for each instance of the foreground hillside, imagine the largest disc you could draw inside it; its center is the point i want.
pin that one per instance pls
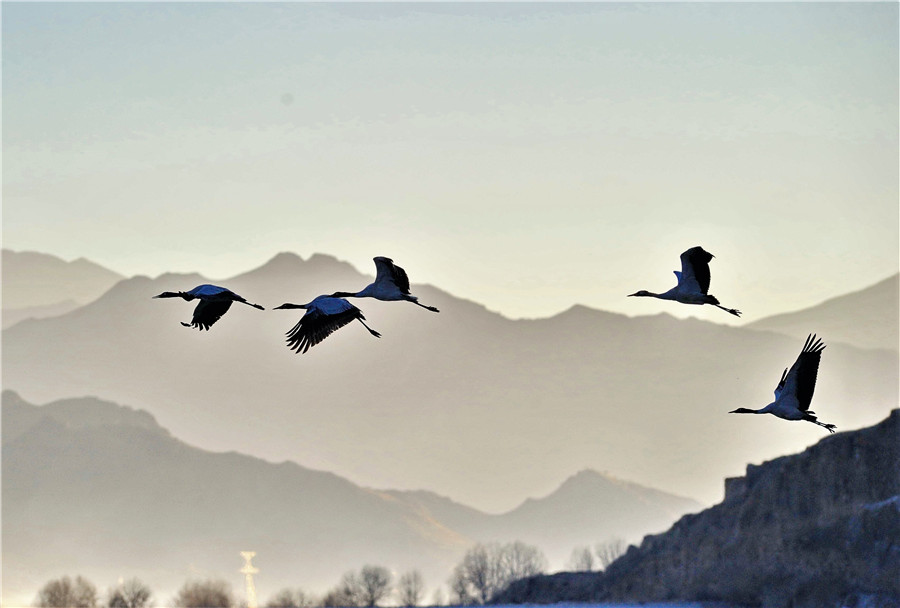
(817, 529)
(94, 488)
(442, 396)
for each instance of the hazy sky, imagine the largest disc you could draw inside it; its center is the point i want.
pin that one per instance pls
(527, 157)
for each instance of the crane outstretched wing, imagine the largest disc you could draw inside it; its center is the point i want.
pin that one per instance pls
(801, 379)
(780, 386)
(386, 270)
(316, 325)
(695, 269)
(207, 312)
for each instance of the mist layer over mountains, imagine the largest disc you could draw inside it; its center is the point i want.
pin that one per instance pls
(102, 489)
(450, 402)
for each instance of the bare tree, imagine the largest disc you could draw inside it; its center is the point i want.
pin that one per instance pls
(581, 560)
(204, 594)
(487, 569)
(333, 599)
(459, 587)
(129, 594)
(410, 587)
(348, 593)
(291, 598)
(518, 560)
(607, 552)
(376, 584)
(481, 569)
(66, 593)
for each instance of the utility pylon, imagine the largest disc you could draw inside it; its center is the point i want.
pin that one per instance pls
(248, 571)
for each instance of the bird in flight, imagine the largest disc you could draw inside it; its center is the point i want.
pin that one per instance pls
(794, 393)
(324, 315)
(214, 302)
(693, 282)
(391, 284)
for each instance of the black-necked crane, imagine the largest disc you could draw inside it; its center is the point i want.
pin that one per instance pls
(214, 302)
(391, 285)
(324, 315)
(693, 282)
(794, 393)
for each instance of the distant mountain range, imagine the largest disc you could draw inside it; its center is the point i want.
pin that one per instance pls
(33, 284)
(101, 490)
(863, 318)
(465, 403)
(820, 528)
(40, 285)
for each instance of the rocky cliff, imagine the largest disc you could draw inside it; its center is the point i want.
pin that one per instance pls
(820, 528)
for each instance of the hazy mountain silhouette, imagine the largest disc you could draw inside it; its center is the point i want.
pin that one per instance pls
(622, 508)
(867, 318)
(40, 285)
(11, 316)
(19, 416)
(559, 521)
(102, 490)
(451, 402)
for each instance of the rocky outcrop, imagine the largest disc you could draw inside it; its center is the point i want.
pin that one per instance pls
(820, 528)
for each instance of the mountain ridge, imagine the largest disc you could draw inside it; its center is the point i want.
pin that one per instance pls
(42, 285)
(850, 318)
(91, 411)
(287, 261)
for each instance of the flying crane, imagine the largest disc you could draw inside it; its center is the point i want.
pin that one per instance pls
(693, 282)
(794, 393)
(391, 284)
(324, 315)
(214, 302)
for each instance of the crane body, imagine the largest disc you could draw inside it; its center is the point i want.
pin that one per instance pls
(324, 315)
(693, 282)
(794, 392)
(391, 285)
(214, 302)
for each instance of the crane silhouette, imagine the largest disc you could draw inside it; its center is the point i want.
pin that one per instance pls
(324, 315)
(391, 284)
(794, 393)
(214, 302)
(693, 282)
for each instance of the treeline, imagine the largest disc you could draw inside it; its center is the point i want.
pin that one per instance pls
(371, 586)
(484, 570)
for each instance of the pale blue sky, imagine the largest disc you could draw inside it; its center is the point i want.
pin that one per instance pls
(527, 157)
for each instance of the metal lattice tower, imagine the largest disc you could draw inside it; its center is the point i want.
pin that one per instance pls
(248, 571)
